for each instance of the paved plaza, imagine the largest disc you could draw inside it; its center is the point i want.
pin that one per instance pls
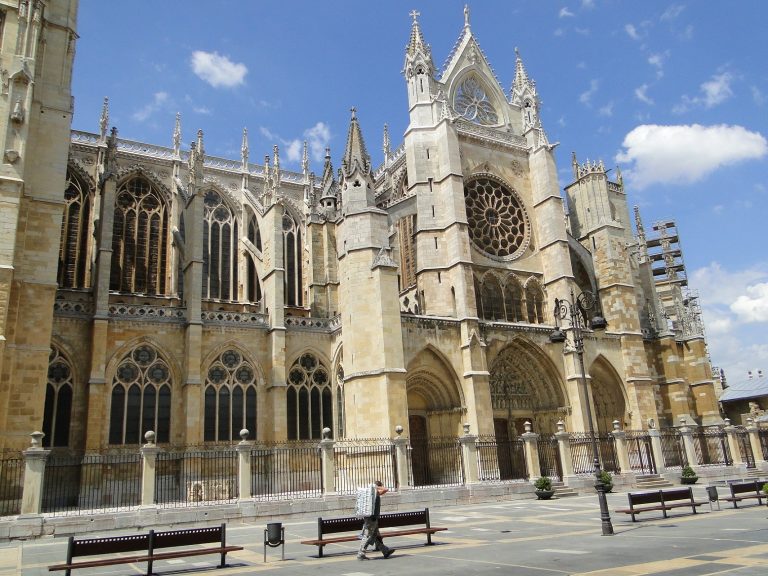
(521, 537)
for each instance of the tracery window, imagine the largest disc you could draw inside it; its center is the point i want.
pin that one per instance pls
(471, 101)
(534, 301)
(141, 397)
(406, 227)
(293, 258)
(498, 222)
(230, 397)
(513, 301)
(74, 259)
(310, 407)
(340, 420)
(252, 277)
(493, 303)
(139, 239)
(220, 238)
(507, 301)
(57, 416)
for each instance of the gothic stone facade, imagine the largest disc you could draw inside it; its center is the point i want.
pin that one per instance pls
(150, 288)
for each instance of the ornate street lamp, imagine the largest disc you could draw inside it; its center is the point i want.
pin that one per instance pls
(576, 310)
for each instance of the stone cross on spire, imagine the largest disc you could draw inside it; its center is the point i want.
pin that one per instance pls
(466, 15)
(414, 14)
(177, 135)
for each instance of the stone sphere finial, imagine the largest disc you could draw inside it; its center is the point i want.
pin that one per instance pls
(326, 433)
(683, 420)
(560, 425)
(651, 423)
(727, 421)
(750, 421)
(466, 428)
(244, 433)
(37, 439)
(149, 436)
(398, 430)
(528, 426)
(616, 425)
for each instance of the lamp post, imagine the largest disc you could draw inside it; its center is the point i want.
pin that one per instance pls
(576, 310)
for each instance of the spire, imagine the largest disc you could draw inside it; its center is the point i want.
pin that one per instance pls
(196, 159)
(641, 241)
(417, 51)
(386, 144)
(328, 185)
(521, 75)
(305, 162)
(575, 166)
(244, 150)
(355, 155)
(177, 135)
(416, 43)
(104, 120)
(523, 93)
(466, 15)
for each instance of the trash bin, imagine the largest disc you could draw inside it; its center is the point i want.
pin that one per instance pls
(713, 496)
(275, 532)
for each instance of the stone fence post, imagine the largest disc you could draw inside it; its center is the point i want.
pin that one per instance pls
(148, 471)
(469, 456)
(564, 447)
(531, 440)
(34, 471)
(328, 462)
(686, 435)
(737, 460)
(401, 459)
(657, 450)
(622, 453)
(757, 448)
(244, 466)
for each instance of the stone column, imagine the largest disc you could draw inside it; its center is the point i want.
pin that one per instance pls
(737, 460)
(401, 457)
(469, 456)
(34, 471)
(564, 447)
(686, 435)
(658, 452)
(149, 458)
(328, 460)
(531, 440)
(625, 467)
(244, 466)
(757, 449)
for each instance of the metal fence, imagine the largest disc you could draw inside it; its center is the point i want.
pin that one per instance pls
(286, 471)
(500, 460)
(549, 458)
(436, 462)
(640, 452)
(583, 453)
(78, 483)
(711, 446)
(762, 434)
(196, 476)
(11, 482)
(745, 446)
(361, 461)
(672, 448)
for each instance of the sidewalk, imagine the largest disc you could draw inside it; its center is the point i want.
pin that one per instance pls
(521, 537)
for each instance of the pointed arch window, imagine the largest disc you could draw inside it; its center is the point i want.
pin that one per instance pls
(340, 424)
(472, 102)
(74, 258)
(230, 398)
(534, 301)
(310, 407)
(139, 239)
(493, 302)
(57, 416)
(406, 227)
(141, 397)
(220, 249)
(513, 301)
(293, 258)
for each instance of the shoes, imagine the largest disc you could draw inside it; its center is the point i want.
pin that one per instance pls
(362, 557)
(389, 553)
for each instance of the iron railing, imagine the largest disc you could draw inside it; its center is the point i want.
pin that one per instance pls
(436, 462)
(359, 462)
(745, 446)
(672, 448)
(549, 458)
(501, 459)
(583, 453)
(640, 452)
(11, 483)
(711, 446)
(78, 483)
(196, 476)
(286, 471)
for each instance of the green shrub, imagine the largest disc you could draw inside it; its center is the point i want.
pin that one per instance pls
(606, 478)
(543, 483)
(688, 472)
(765, 488)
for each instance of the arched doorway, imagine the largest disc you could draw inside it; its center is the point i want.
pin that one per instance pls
(607, 396)
(525, 387)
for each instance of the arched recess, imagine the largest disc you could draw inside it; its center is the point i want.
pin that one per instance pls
(59, 399)
(435, 400)
(608, 395)
(76, 239)
(525, 386)
(309, 399)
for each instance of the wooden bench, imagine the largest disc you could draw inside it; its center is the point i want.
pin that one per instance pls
(355, 524)
(660, 500)
(744, 491)
(145, 546)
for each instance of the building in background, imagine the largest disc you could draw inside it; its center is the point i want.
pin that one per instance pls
(157, 288)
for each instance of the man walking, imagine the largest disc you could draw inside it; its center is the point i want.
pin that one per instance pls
(371, 535)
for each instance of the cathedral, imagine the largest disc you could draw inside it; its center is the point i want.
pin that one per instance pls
(454, 287)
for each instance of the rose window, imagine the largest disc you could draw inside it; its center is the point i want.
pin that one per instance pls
(472, 103)
(498, 224)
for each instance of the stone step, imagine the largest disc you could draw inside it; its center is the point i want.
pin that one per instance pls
(563, 491)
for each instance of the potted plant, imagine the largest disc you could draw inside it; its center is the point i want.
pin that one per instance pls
(543, 486)
(688, 476)
(607, 479)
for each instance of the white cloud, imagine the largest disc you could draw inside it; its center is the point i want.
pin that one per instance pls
(588, 4)
(558, 32)
(686, 153)
(158, 99)
(217, 70)
(317, 138)
(631, 31)
(752, 306)
(606, 110)
(641, 93)
(718, 209)
(714, 91)
(657, 61)
(672, 12)
(582, 31)
(565, 13)
(202, 110)
(757, 96)
(586, 97)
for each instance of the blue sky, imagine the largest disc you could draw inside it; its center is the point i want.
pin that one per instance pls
(673, 92)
